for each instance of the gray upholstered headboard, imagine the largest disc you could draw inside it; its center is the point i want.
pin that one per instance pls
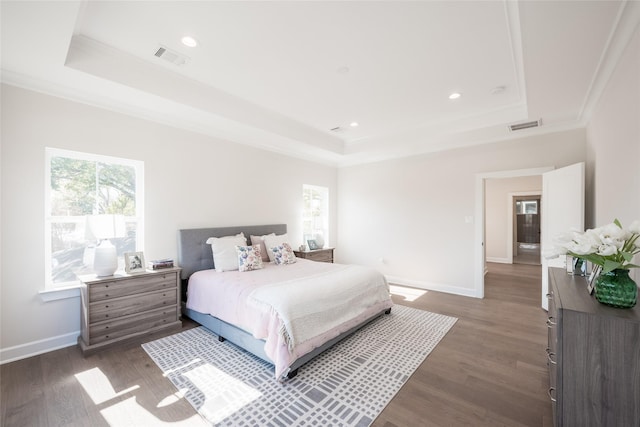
(194, 254)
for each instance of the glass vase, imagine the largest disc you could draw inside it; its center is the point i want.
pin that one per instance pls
(617, 289)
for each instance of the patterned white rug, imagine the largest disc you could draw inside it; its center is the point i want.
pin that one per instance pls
(347, 385)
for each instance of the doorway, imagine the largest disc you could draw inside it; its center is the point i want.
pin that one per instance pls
(526, 232)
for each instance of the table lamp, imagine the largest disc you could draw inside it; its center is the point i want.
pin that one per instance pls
(103, 228)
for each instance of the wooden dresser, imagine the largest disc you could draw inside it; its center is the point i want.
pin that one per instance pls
(593, 357)
(321, 255)
(124, 306)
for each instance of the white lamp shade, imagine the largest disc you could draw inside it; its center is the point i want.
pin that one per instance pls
(105, 261)
(106, 226)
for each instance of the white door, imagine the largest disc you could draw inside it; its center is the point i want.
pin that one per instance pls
(562, 208)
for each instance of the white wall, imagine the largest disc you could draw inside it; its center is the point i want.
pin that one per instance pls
(190, 181)
(411, 212)
(613, 139)
(498, 206)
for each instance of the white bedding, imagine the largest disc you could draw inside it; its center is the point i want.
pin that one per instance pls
(294, 307)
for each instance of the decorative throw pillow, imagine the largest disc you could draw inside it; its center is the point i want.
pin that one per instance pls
(283, 254)
(249, 258)
(225, 257)
(273, 241)
(259, 240)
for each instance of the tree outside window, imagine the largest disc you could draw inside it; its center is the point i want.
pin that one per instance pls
(79, 185)
(315, 213)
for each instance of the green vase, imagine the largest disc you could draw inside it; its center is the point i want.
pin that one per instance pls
(617, 289)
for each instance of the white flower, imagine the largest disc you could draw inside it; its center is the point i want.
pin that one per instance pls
(611, 234)
(606, 250)
(610, 245)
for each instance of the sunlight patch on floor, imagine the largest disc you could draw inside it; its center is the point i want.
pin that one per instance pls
(409, 294)
(129, 412)
(195, 361)
(98, 386)
(223, 394)
(172, 398)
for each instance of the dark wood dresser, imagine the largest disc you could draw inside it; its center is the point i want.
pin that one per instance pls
(321, 255)
(593, 357)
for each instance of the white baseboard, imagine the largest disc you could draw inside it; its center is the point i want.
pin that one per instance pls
(499, 260)
(430, 286)
(34, 348)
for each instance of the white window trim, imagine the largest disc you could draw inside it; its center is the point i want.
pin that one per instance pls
(324, 189)
(65, 289)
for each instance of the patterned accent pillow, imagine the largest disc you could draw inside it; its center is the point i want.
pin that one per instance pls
(283, 254)
(249, 258)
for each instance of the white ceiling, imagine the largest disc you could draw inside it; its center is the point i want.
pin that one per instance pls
(281, 75)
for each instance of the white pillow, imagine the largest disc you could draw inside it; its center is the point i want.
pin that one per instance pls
(273, 241)
(259, 240)
(225, 257)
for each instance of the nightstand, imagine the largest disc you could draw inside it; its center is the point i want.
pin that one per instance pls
(321, 255)
(124, 306)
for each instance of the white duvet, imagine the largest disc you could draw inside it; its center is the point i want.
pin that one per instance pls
(294, 308)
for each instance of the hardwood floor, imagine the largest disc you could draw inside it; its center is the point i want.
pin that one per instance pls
(490, 370)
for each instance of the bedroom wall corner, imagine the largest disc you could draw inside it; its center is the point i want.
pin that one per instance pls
(613, 146)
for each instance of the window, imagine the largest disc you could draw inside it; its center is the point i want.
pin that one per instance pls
(525, 207)
(79, 185)
(315, 213)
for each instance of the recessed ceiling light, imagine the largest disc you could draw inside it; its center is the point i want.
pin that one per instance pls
(455, 95)
(498, 89)
(189, 41)
(353, 124)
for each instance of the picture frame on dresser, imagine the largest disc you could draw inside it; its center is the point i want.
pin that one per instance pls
(134, 262)
(591, 281)
(313, 245)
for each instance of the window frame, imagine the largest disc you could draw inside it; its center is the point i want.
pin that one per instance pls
(49, 219)
(325, 209)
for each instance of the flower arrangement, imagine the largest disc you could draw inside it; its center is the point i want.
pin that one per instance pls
(610, 247)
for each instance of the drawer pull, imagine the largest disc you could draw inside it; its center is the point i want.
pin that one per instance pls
(553, 399)
(549, 295)
(549, 354)
(550, 323)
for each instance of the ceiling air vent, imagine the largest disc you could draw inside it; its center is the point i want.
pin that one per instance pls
(525, 125)
(171, 56)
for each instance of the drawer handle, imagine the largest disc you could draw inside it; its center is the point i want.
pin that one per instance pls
(550, 323)
(106, 327)
(106, 295)
(549, 354)
(549, 295)
(106, 336)
(553, 399)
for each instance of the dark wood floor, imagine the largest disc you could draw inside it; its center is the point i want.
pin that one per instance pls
(490, 370)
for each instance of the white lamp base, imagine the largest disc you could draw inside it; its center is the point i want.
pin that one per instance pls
(105, 261)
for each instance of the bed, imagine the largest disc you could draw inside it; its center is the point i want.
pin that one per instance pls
(283, 314)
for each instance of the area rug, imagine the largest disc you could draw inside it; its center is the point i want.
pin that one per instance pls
(347, 385)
